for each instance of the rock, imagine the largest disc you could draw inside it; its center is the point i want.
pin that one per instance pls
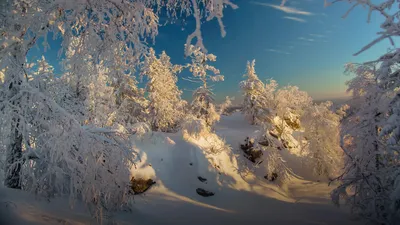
(204, 193)
(274, 135)
(140, 185)
(202, 179)
(264, 143)
(274, 176)
(292, 121)
(250, 153)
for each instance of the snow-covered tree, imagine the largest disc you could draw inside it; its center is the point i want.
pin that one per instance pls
(270, 89)
(132, 106)
(203, 103)
(166, 108)
(90, 82)
(254, 95)
(224, 106)
(370, 136)
(321, 127)
(42, 74)
(371, 166)
(101, 98)
(343, 111)
(290, 99)
(66, 158)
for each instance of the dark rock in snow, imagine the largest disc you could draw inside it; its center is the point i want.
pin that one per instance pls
(274, 135)
(264, 143)
(202, 179)
(140, 185)
(250, 153)
(273, 177)
(204, 193)
(285, 144)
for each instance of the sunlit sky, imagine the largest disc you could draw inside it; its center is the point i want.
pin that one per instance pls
(304, 44)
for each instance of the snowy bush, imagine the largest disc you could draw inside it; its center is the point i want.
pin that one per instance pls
(195, 127)
(275, 167)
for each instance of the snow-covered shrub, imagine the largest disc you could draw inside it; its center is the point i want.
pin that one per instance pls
(195, 127)
(275, 167)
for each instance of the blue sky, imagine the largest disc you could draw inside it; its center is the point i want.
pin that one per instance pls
(303, 44)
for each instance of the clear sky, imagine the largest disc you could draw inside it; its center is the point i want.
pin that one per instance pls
(303, 44)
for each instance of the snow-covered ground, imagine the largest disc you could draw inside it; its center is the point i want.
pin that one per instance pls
(175, 164)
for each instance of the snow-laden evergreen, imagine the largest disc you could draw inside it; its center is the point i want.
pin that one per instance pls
(203, 103)
(166, 108)
(254, 95)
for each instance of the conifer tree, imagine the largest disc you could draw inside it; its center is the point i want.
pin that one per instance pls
(254, 101)
(203, 103)
(166, 108)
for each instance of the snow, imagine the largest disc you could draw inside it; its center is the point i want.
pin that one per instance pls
(175, 161)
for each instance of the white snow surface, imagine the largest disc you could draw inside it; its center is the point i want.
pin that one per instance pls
(175, 163)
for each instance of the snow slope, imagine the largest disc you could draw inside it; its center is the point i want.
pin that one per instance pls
(175, 163)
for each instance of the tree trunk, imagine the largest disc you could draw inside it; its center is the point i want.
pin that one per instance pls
(14, 157)
(13, 79)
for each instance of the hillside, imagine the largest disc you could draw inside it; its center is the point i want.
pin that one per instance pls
(241, 195)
